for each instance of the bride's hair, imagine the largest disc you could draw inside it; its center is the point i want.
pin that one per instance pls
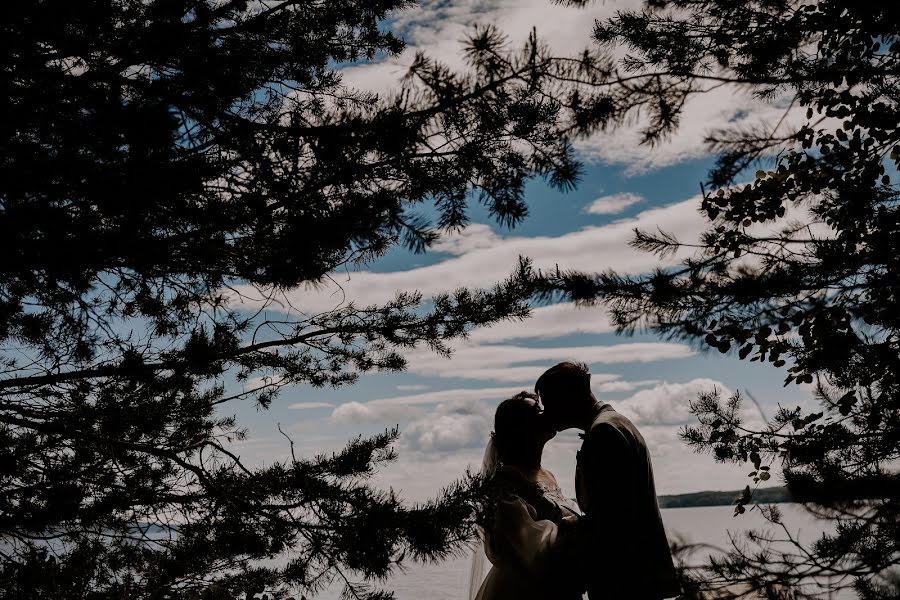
(513, 416)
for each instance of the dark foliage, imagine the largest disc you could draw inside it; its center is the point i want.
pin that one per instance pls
(154, 156)
(798, 267)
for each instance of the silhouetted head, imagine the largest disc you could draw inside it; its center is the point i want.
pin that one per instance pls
(565, 393)
(520, 430)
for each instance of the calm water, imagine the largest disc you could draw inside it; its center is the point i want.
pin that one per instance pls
(707, 524)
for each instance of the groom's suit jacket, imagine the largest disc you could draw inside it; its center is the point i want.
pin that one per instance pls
(625, 547)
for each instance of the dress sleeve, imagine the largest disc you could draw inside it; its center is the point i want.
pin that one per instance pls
(529, 543)
(539, 547)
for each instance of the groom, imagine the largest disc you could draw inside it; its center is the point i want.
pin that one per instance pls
(625, 554)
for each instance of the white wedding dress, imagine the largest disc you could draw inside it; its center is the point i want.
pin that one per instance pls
(525, 543)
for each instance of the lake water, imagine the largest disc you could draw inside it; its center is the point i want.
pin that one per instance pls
(708, 524)
(712, 525)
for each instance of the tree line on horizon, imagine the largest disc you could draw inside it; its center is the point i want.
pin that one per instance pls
(158, 155)
(766, 495)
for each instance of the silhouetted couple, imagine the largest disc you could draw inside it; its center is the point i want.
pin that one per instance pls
(542, 545)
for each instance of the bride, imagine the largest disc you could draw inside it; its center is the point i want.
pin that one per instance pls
(528, 525)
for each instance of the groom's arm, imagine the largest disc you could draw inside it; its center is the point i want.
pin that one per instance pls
(610, 487)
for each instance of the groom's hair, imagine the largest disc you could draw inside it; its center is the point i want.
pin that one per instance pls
(567, 377)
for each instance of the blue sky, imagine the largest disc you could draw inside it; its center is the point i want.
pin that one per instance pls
(444, 407)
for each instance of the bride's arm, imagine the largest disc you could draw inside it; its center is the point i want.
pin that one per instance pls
(530, 541)
(547, 551)
(571, 519)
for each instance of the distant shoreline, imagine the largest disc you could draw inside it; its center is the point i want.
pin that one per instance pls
(770, 495)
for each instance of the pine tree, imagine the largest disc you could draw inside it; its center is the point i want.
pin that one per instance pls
(797, 268)
(156, 154)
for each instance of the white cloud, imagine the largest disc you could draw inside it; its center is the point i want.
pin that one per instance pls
(498, 363)
(555, 320)
(610, 205)
(467, 239)
(308, 405)
(446, 396)
(678, 469)
(525, 375)
(354, 412)
(261, 381)
(453, 426)
(660, 413)
(621, 386)
(563, 28)
(403, 407)
(703, 114)
(439, 29)
(412, 387)
(667, 403)
(417, 476)
(446, 433)
(590, 249)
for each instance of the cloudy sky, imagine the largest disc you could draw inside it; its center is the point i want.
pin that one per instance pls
(444, 407)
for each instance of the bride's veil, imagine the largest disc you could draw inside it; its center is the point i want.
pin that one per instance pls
(479, 561)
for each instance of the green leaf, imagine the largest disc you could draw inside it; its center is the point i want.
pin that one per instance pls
(755, 459)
